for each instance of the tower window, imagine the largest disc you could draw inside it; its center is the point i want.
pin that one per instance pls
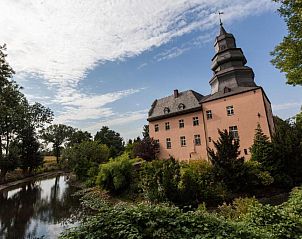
(181, 123)
(168, 143)
(156, 143)
(234, 131)
(209, 114)
(156, 128)
(245, 152)
(230, 110)
(197, 140)
(195, 121)
(183, 141)
(167, 125)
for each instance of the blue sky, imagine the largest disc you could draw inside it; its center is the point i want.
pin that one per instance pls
(98, 63)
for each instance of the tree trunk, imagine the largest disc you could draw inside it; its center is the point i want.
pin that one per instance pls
(2, 175)
(7, 144)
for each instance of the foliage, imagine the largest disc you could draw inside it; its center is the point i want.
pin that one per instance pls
(155, 221)
(237, 209)
(255, 176)
(112, 139)
(85, 158)
(77, 137)
(19, 120)
(57, 134)
(146, 149)
(228, 166)
(287, 150)
(288, 53)
(117, 175)
(244, 218)
(146, 131)
(197, 184)
(159, 180)
(262, 149)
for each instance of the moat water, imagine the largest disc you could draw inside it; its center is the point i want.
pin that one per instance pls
(38, 209)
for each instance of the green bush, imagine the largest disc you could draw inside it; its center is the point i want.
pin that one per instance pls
(156, 221)
(159, 180)
(197, 184)
(237, 209)
(255, 176)
(118, 175)
(185, 184)
(84, 158)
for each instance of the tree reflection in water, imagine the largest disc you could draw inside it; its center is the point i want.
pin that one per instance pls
(37, 208)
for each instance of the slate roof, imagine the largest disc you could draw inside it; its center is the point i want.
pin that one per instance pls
(222, 94)
(190, 99)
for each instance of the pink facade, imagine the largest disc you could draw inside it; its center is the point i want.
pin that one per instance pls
(249, 109)
(186, 123)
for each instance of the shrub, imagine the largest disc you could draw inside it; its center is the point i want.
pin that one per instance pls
(237, 209)
(197, 184)
(82, 158)
(255, 176)
(160, 179)
(117, 175)
(156, 221)
(228, 166)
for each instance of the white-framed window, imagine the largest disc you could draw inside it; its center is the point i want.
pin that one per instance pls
(168, 143)
(156, 127)
(181, 123)
(183, 141)
(167, 125)
(230, 110)
(195, 121)
(209, 114)
(234, 131)
(156, 141)
(197, 140)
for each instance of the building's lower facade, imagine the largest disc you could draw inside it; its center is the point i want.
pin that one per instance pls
(186, 123)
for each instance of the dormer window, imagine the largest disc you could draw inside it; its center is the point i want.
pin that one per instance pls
(226, 90)
(181, 106)
(166, 110)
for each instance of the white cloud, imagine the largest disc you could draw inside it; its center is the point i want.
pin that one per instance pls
(286, 106)
(63, 40)
(60, 41)
(120, 119)
(79, 107)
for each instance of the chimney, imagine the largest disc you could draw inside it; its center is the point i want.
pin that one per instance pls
(176, 94)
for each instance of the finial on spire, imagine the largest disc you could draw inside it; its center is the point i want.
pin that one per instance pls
(220, 13)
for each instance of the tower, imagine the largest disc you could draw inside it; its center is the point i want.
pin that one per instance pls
(228, 65)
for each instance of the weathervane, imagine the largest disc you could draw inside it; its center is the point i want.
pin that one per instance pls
(220, 13)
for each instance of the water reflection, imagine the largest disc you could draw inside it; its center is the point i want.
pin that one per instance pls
(37, 209)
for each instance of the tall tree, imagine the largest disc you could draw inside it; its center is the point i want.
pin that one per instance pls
(287, 148)
(112, 139)
(262, 149)
(146, 149)
(146, 131)
(57, 134)
(78, 136)
(35, 116)
(287, 55)
(228, 166)
(11, 111)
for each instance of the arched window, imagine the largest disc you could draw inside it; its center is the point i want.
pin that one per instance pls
(166, 110)
(181, 106)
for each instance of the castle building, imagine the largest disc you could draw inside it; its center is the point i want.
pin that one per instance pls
(186, 123)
